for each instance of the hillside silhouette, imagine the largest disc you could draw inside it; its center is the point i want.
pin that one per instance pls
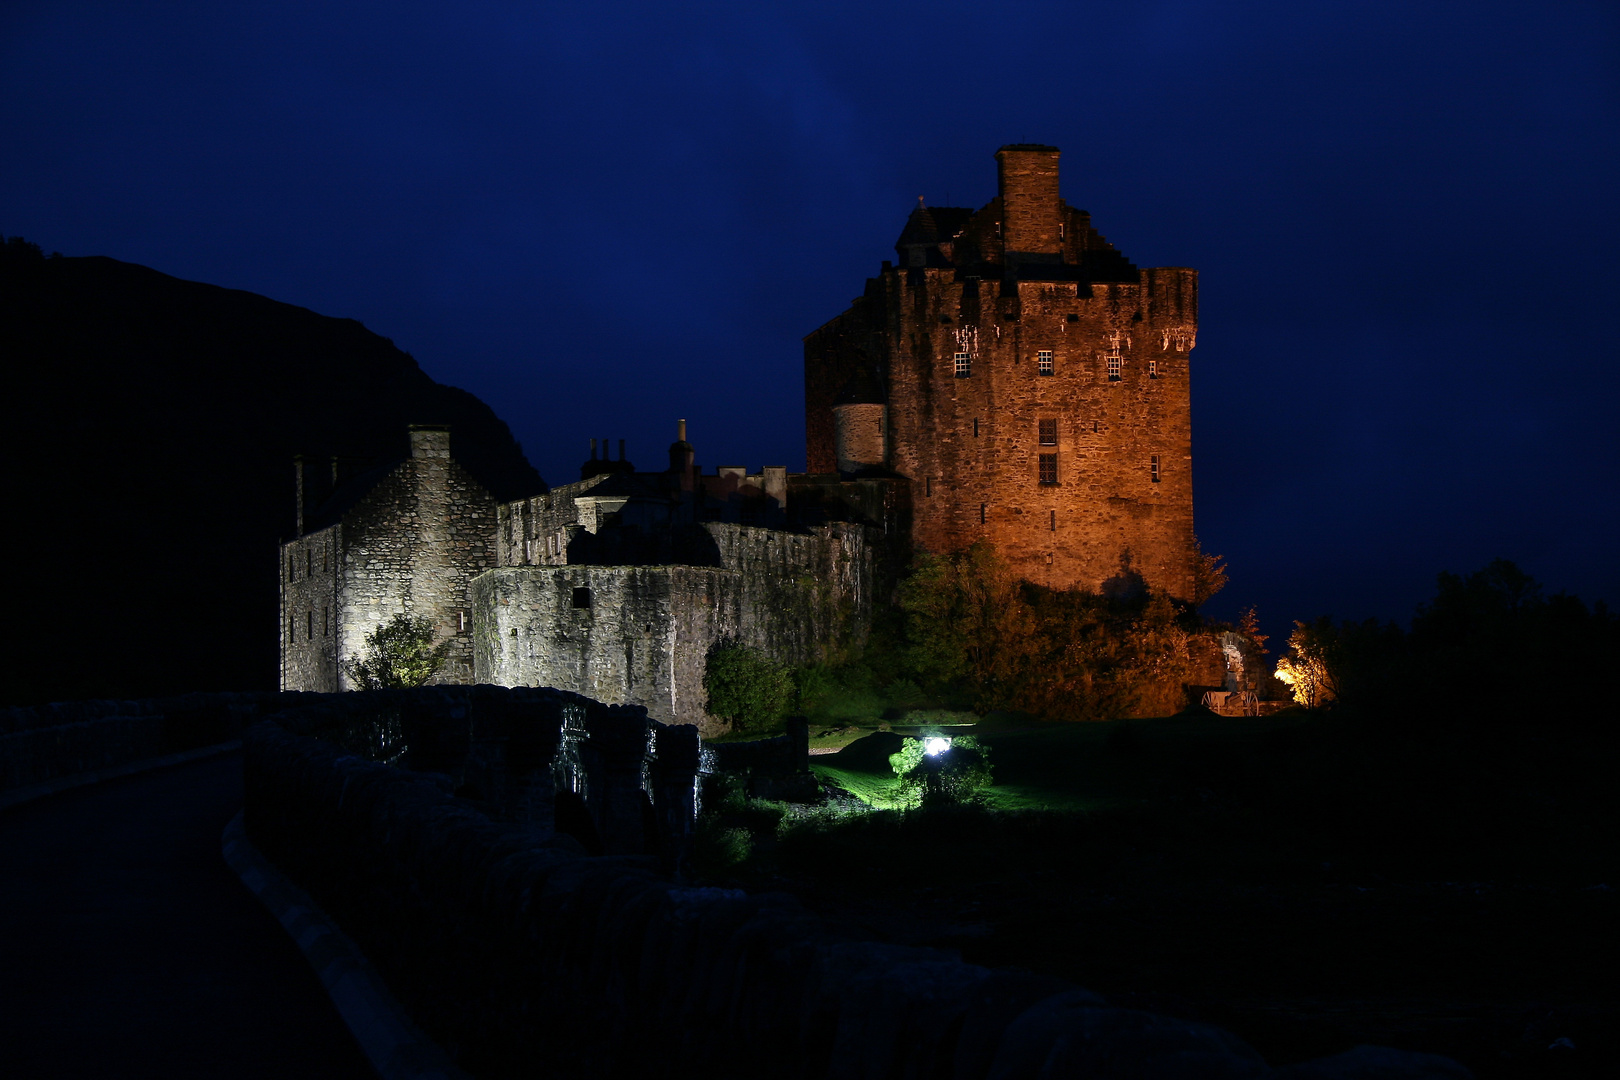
(151, 425)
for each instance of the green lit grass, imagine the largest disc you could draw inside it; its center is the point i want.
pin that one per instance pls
(1046, 766)
(874, 790)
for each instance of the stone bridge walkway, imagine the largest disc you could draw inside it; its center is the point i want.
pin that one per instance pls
(128, 948)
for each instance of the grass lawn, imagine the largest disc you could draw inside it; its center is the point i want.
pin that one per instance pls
(1040, 766)
(1307, 881)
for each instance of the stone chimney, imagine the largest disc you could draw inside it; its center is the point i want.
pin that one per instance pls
(1027, 174)
(298, 482)
(430, 441)
(682, 456)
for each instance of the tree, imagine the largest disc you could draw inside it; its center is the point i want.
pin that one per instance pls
(967, 622)
(1209, 574)
(747, 688)
(399, 654)
(1307, 668)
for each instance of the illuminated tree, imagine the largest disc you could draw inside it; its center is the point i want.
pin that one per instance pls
(399, 655)
(1307, 668)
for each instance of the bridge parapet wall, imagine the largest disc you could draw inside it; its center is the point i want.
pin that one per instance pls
(44, 743)
(531, 957)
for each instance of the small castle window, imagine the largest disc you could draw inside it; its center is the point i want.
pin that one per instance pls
(1048, 432)
(309, 560)
(292, 626)
(582, 597)
(326, 622)
(1153, 369)
(1154, 466)
(964, 365)
(1043, 362)
(1054, 520)
(928, 485)
(1049, 473)
(309, 633)
(1115, 364)
(975, 427)
(983, 507)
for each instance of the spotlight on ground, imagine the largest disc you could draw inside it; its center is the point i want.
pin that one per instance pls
(935, 745)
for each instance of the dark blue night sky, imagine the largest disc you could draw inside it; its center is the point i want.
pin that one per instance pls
(602, 217)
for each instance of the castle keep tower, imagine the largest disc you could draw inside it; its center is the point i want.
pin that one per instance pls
(1030, 383)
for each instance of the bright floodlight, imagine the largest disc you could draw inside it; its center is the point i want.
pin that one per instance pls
(935, 745)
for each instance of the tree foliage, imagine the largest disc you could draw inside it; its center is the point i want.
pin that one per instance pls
(1488, 644)
(974, 631)
(747, 688)
(1311, 666)
(1209, 574)
(399, 655)
(953, 777)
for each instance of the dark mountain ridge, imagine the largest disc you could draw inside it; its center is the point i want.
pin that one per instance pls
(151, 429)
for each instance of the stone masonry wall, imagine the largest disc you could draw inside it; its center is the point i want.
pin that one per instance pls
(42, 743)
(536, 531)
(529, 957)
(413, 545)
(971, 446)
(634, 635)
(1071, 354)
(310, 610)
(641, 634)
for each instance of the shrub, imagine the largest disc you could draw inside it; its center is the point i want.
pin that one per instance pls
(717, 850)
(747, 688)
(950, 778)
(399, 655)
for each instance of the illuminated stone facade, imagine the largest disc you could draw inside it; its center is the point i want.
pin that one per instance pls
(1033, 384)
(615, 586)
(407, 540)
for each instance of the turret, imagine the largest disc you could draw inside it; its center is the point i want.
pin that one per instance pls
(860, 425)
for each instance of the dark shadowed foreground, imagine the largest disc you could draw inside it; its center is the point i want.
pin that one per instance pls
(130, 949)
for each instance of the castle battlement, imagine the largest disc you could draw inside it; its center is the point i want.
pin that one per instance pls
(1030, 382)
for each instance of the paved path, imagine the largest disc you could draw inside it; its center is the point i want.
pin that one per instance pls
(129, 949)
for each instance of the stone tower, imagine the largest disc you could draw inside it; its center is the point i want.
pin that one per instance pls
(1028, 380)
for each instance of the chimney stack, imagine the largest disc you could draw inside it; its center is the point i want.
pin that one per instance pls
(298, 478)
(1027, 174)
(430, 441)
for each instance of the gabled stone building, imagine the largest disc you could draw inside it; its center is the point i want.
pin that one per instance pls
(615, 586)
(407, 538)
(1030, 383)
